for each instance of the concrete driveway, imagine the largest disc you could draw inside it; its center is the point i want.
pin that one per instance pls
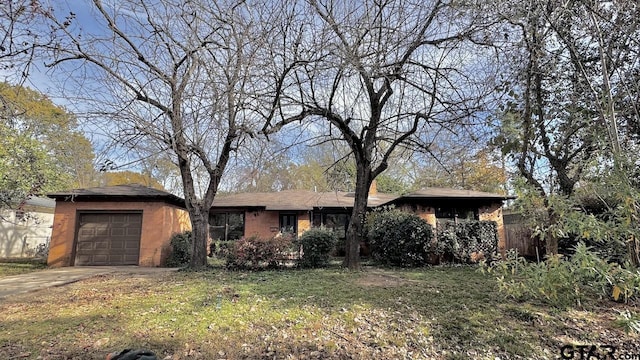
(43, 279)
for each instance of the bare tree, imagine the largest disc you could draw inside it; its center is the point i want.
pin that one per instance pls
(377, 75)
(20, 36)
(175, 74)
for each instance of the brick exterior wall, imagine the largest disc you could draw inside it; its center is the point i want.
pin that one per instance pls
(266, 223)
(494, 213)
(304, 222)
(426, 213)
(159, 222)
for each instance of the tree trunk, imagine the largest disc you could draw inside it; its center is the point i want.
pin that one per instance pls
(200, 236)
(198, 211)
(551, 246)
(355, 233)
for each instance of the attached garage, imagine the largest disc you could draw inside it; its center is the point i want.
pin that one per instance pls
(108, 238)
(115, 225)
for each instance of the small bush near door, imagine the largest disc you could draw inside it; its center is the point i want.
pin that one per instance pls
(399, 238)
(254, 252)
(180, 250)
(317, 245)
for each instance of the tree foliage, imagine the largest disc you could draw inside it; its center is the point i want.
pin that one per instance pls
(21, 36)
(568, 116)
(464, 169)
(41, 147)
(563, 283)
(130, 177)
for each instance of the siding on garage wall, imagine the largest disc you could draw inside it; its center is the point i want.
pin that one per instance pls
(20, 238)
(159, 222)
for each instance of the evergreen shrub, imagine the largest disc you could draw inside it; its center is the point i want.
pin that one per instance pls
(180, 254)
(399, 238)
(317, 245)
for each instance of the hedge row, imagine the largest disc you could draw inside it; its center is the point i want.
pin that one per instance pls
(395, 238)
(402, 239)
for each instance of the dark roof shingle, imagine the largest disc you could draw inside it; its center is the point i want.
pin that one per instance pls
(308, 200)
(441, 193)
(129, 192)
(295, 200)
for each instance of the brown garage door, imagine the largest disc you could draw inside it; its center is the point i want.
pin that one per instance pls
(108, 238)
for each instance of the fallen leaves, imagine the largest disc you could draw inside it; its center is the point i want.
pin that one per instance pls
(327, 314)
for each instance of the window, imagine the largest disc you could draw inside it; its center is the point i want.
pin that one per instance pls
(456, 213)
(226, 226)
(288, 224)
(336, 222)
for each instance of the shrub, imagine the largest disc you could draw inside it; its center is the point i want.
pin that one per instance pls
(180, 254)
(466, 241)
(220, 248)
(254, 252)
(614, 250)
(317, 244)
(562, 282)
(399, 238)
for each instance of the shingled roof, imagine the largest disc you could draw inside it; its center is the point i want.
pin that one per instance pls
(295, 200)
(308, 200)
(282, 200)
(446, 193)
(129, 192)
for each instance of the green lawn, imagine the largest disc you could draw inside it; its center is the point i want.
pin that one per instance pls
(432, 313)
(16, 267)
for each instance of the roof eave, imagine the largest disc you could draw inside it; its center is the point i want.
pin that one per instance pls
(170, 199)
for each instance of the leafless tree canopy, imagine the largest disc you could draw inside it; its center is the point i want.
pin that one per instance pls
(378, 76)
(174, 77)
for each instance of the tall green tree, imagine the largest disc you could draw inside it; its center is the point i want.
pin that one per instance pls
(41, 148)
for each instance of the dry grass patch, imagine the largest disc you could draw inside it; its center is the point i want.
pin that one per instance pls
(10, 267)
(378, 278)
(435, 313)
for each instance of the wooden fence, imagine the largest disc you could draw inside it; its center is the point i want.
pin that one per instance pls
(519, 236)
